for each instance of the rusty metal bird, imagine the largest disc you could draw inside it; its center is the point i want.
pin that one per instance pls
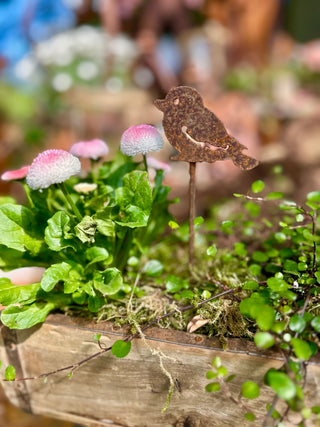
(196, 132)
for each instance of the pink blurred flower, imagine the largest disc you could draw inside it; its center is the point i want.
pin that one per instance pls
(15, 174)
(52, 167)
(157, 164)
(23, 276)
(140, 139)
(90, 149)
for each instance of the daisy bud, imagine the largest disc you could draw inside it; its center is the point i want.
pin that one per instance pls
(85, 187)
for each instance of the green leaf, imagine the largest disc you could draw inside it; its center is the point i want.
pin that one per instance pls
(54, 274)
(109, 281)
(121, 348)
(10, 373)
(249, 416)
(57, 233)
(276, 284)
(86, 229)
(252, 208)
(222, 371)
(250, 390)
(315, 409)
(211, 375)
(281, 384)
(175, 284)
(95, 303)
(212, 387)
(104, 223)
(274, 195)
(173, 225)
(265, 317)
(259, 256)
(297, 323)
(251, 285)
(315, 323)
(153, 268)
(278, 327)
(198, 220)
(17, 229)
(134, 199)
(302, 349)
(212, 250)
(314, 196)
(216, 362)
(257, 186)
(14, 294)
(291, 266)
(240, 249)
(226, 226)
(24, 317)
(97, 337)
(97, 254)
(263, 340)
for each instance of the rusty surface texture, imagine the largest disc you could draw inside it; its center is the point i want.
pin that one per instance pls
(196, 132)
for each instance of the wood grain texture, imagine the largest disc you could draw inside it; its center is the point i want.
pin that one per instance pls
(132, 391)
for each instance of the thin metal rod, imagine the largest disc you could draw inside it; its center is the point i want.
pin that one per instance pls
(192, 209)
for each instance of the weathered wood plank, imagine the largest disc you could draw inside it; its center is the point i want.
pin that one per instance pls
(132, 391)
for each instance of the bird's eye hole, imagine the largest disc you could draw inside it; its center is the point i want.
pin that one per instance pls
(176, 101)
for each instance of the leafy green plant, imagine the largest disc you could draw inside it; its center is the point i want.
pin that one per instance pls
(82, 233)
(282, 299)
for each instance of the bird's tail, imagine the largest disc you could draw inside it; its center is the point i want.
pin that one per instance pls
(244, 162)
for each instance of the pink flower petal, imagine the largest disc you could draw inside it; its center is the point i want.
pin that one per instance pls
(140, 139)
(52, 167)
(157, 164)
(15, 174)
(90, 149)
(24, 276)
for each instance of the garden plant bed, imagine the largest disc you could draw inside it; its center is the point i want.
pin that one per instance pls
(132, 391)
(94, 243)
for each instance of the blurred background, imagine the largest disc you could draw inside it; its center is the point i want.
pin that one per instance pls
(74, 70)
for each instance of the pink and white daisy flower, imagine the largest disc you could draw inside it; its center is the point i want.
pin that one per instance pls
(52, 167)
(140, 139)
(93, 149)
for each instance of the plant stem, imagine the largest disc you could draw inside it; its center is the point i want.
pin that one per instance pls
(70, 201)
(145, 162)
(192, 209)
(93, 170)
(27, 191)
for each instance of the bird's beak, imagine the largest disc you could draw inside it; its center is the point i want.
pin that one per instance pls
(160, 104)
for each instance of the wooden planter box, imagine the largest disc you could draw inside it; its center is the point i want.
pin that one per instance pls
(132, 391)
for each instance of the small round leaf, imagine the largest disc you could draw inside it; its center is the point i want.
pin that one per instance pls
(263, 340)
(257, 186)
(250, 390)
(121, 348)
(10, 373)
(213, 387)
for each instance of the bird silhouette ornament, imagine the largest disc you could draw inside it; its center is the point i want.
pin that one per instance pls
(196, 132)
(198, 136)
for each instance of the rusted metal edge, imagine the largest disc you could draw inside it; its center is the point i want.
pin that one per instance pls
(10, 341)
